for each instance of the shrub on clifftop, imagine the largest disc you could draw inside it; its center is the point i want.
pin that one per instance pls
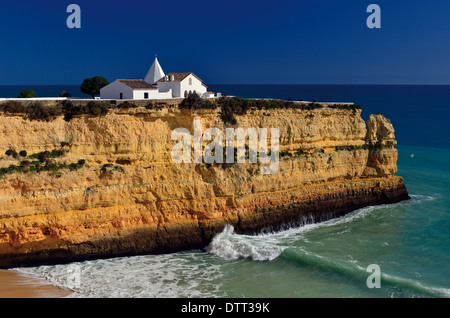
(231, 106)
(97, 109)
(11, 107)
(92, 108)
(40, 112)
(194, 101)
(126, 105)
(36, 111)
(27, 93)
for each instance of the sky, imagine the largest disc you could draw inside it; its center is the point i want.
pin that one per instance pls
(227, 42)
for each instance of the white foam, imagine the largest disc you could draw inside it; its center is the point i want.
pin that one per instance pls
(268, 246)
(152, 276)
(421, 197)
(229, 245)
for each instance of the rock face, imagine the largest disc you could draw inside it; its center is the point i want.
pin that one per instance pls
(130, 198)
(380, 129)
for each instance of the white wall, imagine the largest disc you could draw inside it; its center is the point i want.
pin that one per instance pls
(113, 90)
(164, 95)
(196, 86)
(174, 87)
(152, 94)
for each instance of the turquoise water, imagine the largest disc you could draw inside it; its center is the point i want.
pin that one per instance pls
(409, 241)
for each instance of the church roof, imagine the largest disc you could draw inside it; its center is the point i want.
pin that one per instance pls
(137, 84)
(178, 77)
(154, 73)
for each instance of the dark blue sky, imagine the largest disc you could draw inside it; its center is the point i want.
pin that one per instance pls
(245, 41)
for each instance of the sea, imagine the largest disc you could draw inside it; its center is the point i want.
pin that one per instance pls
(399, 250)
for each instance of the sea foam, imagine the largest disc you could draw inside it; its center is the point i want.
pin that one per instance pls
(229, 245)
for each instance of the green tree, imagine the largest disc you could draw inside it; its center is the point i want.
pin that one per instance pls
(92, 86)
(27, 93)
(65, 94)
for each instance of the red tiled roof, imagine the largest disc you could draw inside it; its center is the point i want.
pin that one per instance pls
(178, 77)
(137, 84)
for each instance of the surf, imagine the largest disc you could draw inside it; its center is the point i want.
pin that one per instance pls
(269, 245)
(358, 273)
(279, 247)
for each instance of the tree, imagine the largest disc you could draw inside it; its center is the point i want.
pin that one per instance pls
(27, 93)
(92, 86)
(65, 94)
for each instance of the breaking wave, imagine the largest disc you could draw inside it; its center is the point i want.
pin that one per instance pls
(268, 246)
(276, 246)
(229, 245)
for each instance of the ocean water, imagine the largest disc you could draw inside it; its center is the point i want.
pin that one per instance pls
(13, 91)
(409, 241)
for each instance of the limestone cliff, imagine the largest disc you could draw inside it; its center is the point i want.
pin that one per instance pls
(127, 197)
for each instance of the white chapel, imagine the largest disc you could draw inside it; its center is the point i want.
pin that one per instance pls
(156, 85)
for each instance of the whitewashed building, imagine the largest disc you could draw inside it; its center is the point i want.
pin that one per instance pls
(156, 85)
(132, 89)
(181, 84)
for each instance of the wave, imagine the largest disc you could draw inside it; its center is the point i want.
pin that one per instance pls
(277, 246)
(357, 272)
(269, 245)
(265, 245)
(421, 197)
(229, 245)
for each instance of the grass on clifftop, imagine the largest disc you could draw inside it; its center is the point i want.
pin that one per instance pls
(231, 106)
(39, 112)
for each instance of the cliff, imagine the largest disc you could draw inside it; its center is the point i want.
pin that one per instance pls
(109, 186)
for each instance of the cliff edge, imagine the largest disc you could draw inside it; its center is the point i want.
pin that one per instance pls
(103, 186)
